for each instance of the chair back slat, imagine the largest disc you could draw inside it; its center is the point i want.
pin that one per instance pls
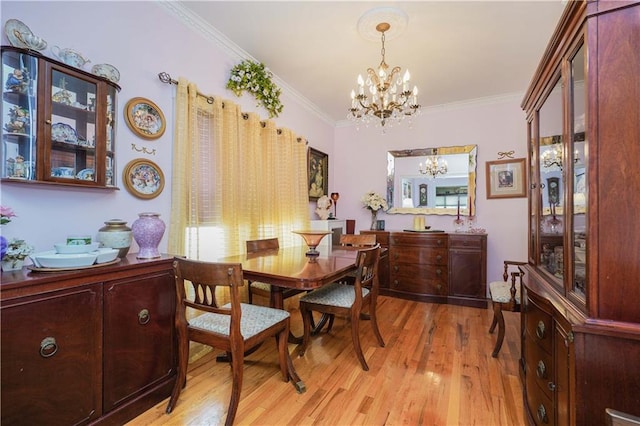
(254, 246)
(367, 271)
(358, 240)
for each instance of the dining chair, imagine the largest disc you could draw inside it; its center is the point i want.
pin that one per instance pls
(618, 418)
(233, 327)
(259, 288)
(347, 300)
(505, 296)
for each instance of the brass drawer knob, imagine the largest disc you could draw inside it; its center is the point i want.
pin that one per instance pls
(541, 370)
(48, 347)
(144, 317)
(542, 414)
(540, 330)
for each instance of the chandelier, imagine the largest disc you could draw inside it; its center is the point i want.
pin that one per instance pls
(384, 97)
(433, 167)
(553, 157)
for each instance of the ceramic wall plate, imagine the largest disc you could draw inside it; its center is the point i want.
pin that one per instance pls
(62, 132)
(144, 118)
(107, 71)
(143, 178)
(63, 172)
(15, 31)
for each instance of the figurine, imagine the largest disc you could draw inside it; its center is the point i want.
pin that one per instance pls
(323, 207)
(18, 120)
(17, 81)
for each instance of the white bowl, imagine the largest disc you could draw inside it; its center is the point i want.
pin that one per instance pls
(51, 259)
(106, 254)
(63, 248)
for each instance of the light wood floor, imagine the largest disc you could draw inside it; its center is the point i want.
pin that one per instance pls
(436, 369)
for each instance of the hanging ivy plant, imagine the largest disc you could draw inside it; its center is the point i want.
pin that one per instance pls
(255, 78)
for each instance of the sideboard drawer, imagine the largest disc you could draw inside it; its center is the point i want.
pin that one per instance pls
(541, 406)
(422, 240)
(411, 255)
(540, 366)
(538, 325)
(465, 241)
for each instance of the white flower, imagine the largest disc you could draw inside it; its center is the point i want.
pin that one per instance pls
(17, 250)
(374, 201)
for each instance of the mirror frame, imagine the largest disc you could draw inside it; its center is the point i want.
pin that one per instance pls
(471, 150)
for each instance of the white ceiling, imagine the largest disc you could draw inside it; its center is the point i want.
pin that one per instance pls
(455, 50)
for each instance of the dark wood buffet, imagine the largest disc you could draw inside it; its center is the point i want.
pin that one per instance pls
(91, 346)
(434, 267)
(581, 292)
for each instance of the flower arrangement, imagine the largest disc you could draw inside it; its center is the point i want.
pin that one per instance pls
(6, 213)
(17, 250)
(255, 78)
(374, 202)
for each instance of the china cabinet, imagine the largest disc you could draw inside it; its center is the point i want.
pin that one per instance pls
(58, 122)
(435, 267)
(92, 346)
(580, 316)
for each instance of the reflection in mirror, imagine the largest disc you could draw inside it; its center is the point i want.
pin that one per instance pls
(579, 131)
(413, 190)
(551, 163)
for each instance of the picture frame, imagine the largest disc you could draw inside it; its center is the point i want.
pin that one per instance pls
(143, 178)
(317, 174)
(145, 118)
(506, 178)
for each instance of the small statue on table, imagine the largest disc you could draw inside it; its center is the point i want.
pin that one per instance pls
(18, 120)
(323, 209)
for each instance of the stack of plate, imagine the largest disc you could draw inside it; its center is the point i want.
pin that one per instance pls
(73, 256)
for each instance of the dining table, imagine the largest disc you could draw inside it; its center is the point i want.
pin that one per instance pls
(288, 267)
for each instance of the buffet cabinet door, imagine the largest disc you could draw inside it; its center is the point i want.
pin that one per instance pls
(51, 362)
(138, 328)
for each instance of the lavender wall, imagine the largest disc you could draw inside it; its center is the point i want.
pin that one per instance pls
(144, 38)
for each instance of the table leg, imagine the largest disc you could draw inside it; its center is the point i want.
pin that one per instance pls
(277, 301)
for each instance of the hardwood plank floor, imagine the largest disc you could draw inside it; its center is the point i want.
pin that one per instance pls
(436, 369)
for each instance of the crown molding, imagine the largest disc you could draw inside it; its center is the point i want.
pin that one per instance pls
(235, 52)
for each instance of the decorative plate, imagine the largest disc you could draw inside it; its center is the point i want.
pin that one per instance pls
(107, 71)
(143, 178)
(34, 268)
(62, 132)
(86, 174)
(144, 118)
(15, 31)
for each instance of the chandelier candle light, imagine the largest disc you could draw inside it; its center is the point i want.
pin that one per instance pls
(389, 98)
(433, 167)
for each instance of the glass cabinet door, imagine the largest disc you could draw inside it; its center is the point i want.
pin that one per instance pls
(19, 115)
(551, 185)
(72, 128)
(578, 188)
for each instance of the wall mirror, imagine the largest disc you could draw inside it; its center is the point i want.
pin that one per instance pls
(412, 189)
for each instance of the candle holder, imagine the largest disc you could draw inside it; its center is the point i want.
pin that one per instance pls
(335, 196)
(312, 239)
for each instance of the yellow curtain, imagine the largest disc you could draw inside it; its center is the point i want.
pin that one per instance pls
(234, 178)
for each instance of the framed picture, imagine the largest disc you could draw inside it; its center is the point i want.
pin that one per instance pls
(318, 173)
(144, 118)
(507, 178)
(143, 178)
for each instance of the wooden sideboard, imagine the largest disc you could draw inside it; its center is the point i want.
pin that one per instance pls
(91, 346)
(434, 267)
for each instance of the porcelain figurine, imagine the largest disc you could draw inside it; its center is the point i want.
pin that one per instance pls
(17, 81)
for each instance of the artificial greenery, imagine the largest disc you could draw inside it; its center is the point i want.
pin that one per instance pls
(255, 78)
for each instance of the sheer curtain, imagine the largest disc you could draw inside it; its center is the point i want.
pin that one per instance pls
(234, 178)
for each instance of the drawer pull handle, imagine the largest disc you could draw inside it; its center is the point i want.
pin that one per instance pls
(438, 258)
(143, 317)
(438, 271)
(540, 330)
(439, 242)
(396, 268)
(551, 386)
(541, 370)
(48, 347)
(542, 414)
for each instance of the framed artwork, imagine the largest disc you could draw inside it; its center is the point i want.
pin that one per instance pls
(507, 178)
(143, 178)
(144, 118)
(318, 173)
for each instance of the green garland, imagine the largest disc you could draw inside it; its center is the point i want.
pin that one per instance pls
(255, 78)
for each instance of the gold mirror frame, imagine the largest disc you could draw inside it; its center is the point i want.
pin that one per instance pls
(470, 150)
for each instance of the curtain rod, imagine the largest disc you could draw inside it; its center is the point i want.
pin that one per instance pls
(166, 78)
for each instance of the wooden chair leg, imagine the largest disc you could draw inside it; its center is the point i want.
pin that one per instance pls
(306, 322)
(237, 361)
(355, 336)
(374, 323)
(497, 312)
(494, 322)
(181, 379)
(250, 293)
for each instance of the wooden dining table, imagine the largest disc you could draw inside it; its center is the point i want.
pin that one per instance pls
(288, 267)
